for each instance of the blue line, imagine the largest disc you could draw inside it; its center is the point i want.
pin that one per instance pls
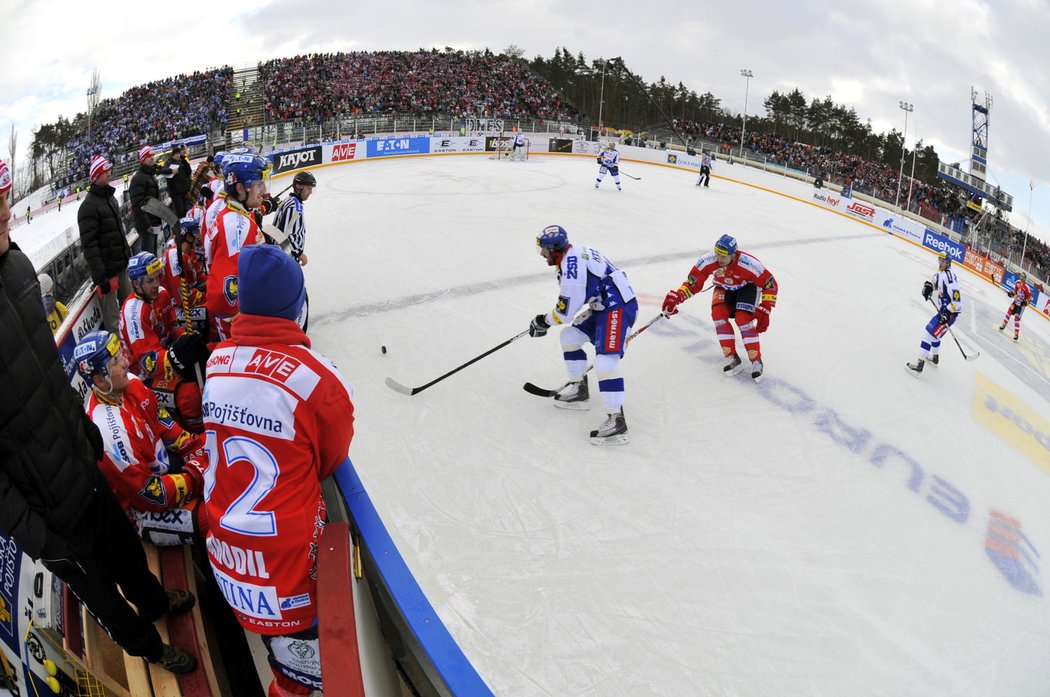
(444, 653)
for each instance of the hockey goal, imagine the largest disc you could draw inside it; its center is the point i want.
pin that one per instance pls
(505, 149)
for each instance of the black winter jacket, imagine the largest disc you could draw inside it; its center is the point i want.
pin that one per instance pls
(102, 234)
(48, 472)
(143, 186)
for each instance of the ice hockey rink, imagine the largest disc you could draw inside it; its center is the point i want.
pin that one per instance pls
(840, 529)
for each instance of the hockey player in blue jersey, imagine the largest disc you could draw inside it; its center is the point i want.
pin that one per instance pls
(587, 279)
(609, 161)
(949, 303)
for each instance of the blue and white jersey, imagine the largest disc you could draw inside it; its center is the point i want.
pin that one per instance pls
(289, 220)
(705, 160)
(949, 294)
(585, 277)
(610, 159)
(519, 139)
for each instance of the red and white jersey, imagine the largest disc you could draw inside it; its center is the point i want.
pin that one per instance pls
(146, 330)
(210, 214)
(234, 228)
(743, 270)
(1022, 293)
(171, 279)
(278, 419)
(137, 435)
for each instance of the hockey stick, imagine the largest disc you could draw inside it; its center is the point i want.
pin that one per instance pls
(637, 179)
(966, 356)
(398, 387)
(540, 392)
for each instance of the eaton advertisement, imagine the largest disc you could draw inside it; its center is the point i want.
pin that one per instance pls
(387, 147)
(940, 243)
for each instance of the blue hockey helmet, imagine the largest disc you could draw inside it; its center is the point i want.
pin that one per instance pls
(244, 169)
(725, 246)
(93, 353)
(553, 238)
(143, 264)
(188, 226)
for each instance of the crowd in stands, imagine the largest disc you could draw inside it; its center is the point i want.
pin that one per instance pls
(423, 83)
(168, 109)
(873, 178)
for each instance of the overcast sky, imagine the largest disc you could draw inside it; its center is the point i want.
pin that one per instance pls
(868, 55)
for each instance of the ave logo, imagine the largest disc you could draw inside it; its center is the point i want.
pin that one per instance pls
(343, 152)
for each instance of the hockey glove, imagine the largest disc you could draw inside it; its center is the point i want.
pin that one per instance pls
(944, 317)
(269, 205)
(187, 351)
(599, 160)
(538, 326)
(672, 301)
(927, 290)
(1010, 294)
(762, 317)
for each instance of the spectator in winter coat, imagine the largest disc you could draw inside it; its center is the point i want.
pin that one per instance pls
(104, 242)
(144, 187)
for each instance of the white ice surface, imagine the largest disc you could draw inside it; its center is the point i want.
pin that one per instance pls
(752, 541)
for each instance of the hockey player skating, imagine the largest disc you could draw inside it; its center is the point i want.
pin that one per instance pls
(137, 436)
(949, 305)
(609, 161)
(1022, 295)
(161, 352)
(281, 419)
(739, 280)
(586, 278)
(705, 170)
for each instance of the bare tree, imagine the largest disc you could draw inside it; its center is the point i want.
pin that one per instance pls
(514, 51)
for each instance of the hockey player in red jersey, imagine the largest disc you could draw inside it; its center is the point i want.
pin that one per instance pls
(137, 437)
(183, 277)
(233, 229)
(739, 280)
(162, 354)
(278, 420)
(1022, 295)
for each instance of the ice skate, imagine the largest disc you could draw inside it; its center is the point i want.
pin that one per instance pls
(1017, 336)
(915, 369)
(756, 370)
(613, 430)
(935, 358)
(1002, 326)
(733, 367)
(574, 396)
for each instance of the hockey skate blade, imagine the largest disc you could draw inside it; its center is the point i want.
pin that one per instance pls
(914, 373)
(398, 387)
(618, 439)
(573, 406)
(734, 371)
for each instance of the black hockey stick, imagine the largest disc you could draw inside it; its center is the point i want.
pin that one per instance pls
(540, 392)
(398, 387)
(967, 356)
(637, 179)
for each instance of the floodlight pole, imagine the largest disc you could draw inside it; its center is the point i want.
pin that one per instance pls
(908, 108)
(747, 75)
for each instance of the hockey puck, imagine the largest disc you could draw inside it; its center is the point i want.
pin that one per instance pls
(383, 349)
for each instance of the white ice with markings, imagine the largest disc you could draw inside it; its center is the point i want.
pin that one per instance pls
(840, 529)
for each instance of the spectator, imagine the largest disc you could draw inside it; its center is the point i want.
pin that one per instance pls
(179, 184)
(104, 242)
(320, 416)
(205, 172)
(144, 187)
(53, 501)
(56, 312)
(29, 217)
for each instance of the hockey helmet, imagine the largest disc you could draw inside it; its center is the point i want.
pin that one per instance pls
(943, 257)
(93, 353)
(142, 265)
(553, 238)
(188, 228)
(245, 169)
(725, 246)
(305, 179)
(1024, 276)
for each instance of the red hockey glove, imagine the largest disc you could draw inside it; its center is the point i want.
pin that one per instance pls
(194, 473)
(762, 317)
(672, 301)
